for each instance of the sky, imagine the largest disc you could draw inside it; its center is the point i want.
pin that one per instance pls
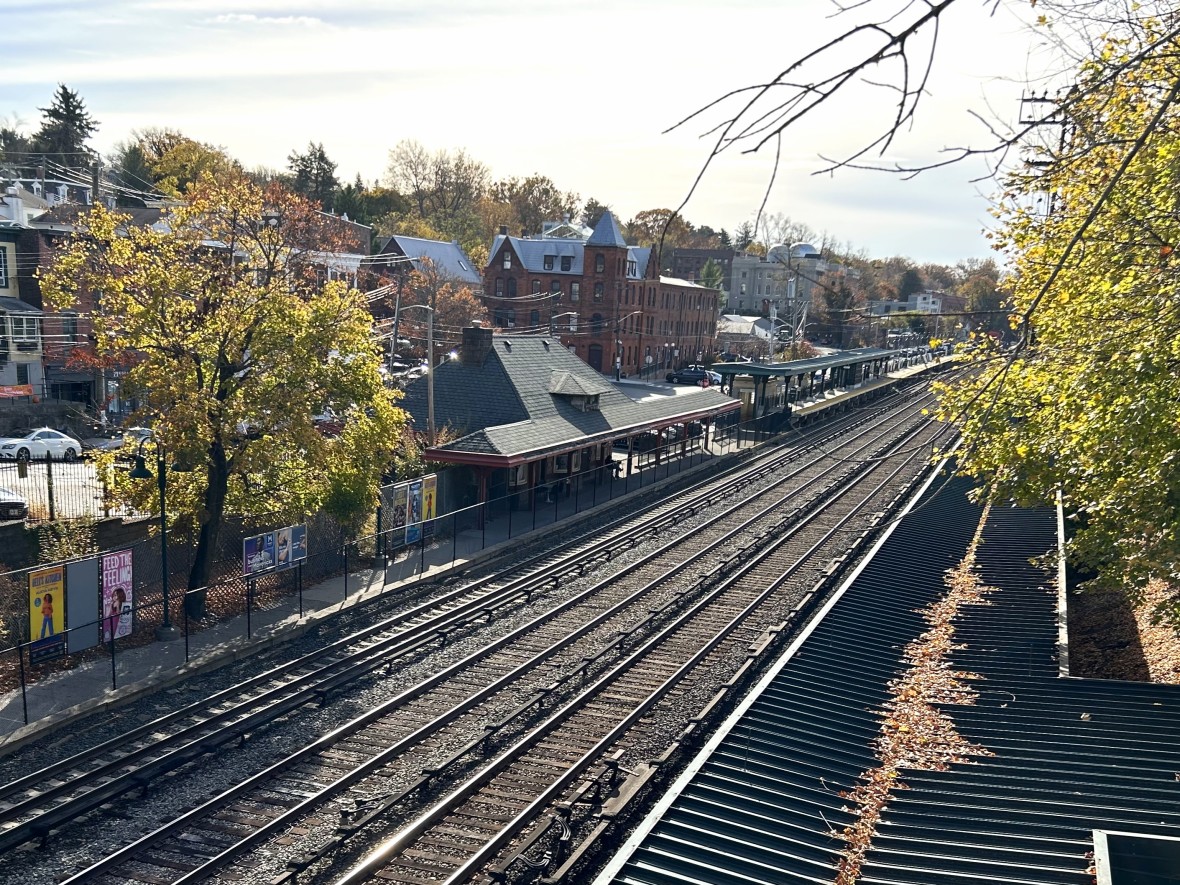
(581, 92)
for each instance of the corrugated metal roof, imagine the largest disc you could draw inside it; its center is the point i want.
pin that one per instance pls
(1070, 755)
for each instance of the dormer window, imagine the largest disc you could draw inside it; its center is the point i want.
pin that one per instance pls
(632, 269)
(566, 262)
(549, 262)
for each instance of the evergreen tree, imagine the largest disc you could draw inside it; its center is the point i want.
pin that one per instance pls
(65, 126)
(314, 175)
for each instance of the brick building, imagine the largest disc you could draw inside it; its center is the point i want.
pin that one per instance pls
(605, 300)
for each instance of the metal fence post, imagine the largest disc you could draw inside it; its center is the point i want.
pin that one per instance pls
(24, 698)
(249, 608)
(454, 536)
(49, 485)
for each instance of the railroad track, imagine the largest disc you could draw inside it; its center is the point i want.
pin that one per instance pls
(327, 769)
(33, 806)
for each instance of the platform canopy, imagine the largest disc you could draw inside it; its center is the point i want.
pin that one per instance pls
(804, 367)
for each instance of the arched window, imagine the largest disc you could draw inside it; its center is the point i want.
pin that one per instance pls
(512, 287)
(499, 287)
(599, 263)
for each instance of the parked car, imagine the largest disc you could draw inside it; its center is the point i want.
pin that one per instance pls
(714, 378)
(688, 375)
(39, 443)
(116, 441)
(12, 505)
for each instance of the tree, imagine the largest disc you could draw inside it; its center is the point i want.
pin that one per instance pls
(714, 278)
(911, 283)
(1084, 402)
(593, 211)
(455, 307)
(175, 161)
(778, 228)
(444, 189)
(534, 200)
(15, 146)
(744, 236)
(65, 127)
(130, 170)
(662, 227)
(235, 345)
(366, 205)
(314, 175)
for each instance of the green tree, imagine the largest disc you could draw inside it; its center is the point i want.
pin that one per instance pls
(65, 127)
(744, 236)
(1085, 403)
(533, 200)
(237, 344)
(593, 211)
(15, 146)
(175, 161)
(713, 277)
(911, 283)
(444, 189)
(314, 175)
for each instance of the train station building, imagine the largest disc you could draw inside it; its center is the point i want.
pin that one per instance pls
(528, 418)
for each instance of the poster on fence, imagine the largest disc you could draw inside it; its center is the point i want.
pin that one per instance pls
(258, 554)
(397, 514)
(117, 601)
(290, 546)
(414, 512)
(47, 615)
(429, 504)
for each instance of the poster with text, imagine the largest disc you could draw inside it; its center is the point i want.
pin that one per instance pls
(414, 511)
(283, 548)
(117, 602)
(47, 614)
(258, 554)
(429, 504)
(298, 543)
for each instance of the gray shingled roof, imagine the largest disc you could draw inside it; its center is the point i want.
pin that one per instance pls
(448, 258)
(506, 407)
(607, 232)
(532, 255)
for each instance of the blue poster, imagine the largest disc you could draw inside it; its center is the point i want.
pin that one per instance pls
(414, 512)
(258, 554)
(290, 546)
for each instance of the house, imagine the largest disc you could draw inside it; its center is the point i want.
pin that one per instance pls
(603, 299)
(397, 253)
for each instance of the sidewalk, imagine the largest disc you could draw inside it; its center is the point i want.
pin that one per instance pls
(57, 699)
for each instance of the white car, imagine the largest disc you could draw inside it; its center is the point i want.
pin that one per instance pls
(39, 443)
(12, 505)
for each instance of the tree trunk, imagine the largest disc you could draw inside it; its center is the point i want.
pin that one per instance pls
(206, 552)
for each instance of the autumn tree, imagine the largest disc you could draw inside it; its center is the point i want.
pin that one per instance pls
(1085, 402)
(533, 200)
(236, 343)
(175, 161)
(444, 189)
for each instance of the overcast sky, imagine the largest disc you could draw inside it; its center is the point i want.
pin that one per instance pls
(579, 92)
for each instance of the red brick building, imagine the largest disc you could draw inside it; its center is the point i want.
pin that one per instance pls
(605, 300)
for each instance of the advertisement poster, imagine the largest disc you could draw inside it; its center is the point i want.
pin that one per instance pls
(47, 616)
(258, 554)
(290, 546)
(414, 512)
(429, 504)
(397, 514)
(117, 603)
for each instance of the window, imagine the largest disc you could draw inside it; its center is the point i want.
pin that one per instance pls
(596, 324)
(69, 327)
(536, 287)
(549, 262)
(23, 328)
(599, 263)
(566, 262)
(632, 269)
(512, 287)
(534, 318)
(22, 373)
(598, 290)
(575, 291)
(507, 260)
(3, 268)
(555, 287)
(499, 287)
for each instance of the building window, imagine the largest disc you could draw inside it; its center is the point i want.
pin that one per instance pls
(3, 268)
(512, 287)
(536, 287)
(24, 329)
(555, 287)
(507, 260)
(575, 291)
(596, 324)
(598, 290)
(69, 327)
(566, 262)
(535, 318)
(22, 373)
(599, 263)
(549, 262)
(499, 287)
(632, 269)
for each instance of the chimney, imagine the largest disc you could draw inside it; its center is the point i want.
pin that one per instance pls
(477, 343)
(524, 233)
(503, 230)
(15, 208)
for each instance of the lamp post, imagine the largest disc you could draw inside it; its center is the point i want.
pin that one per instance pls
(165, 631)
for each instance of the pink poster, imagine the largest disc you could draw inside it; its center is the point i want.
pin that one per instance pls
(117, 604)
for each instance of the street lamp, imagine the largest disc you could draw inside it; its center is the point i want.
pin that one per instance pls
(140, 471)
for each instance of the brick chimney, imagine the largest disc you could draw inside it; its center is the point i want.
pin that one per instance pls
(477, 344)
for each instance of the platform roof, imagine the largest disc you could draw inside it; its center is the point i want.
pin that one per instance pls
(803, 367)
